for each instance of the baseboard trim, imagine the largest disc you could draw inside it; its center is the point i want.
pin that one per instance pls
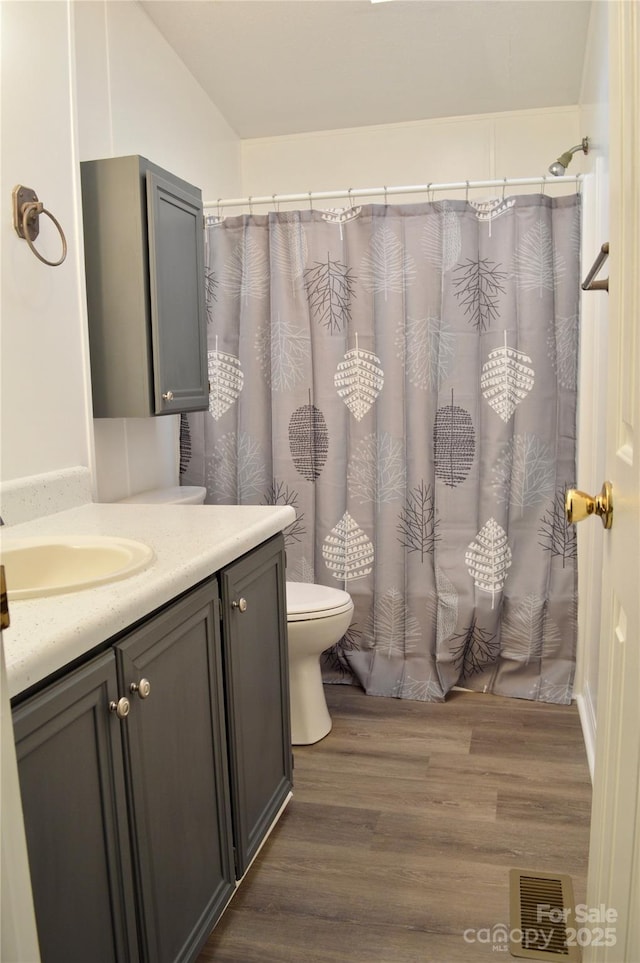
(587, 715)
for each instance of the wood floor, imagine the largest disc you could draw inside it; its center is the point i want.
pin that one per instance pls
(404, 823)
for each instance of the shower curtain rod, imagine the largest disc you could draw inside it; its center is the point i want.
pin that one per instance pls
(352, 193)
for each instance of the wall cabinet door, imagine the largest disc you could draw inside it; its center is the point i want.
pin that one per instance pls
(257, 694)
(176, 763)
(70, 765)
(144, 262)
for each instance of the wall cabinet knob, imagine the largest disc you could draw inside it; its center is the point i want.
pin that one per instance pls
(167, 396)
(240, 604)
(143, 688)
(121, 707)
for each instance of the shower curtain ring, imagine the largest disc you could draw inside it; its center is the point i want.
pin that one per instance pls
(544, 184)
(385, 195)
(310, 201)
(276, 203)
(349, 189)
(250, 199)
(467, 193)
(219, 208)
(504, 186)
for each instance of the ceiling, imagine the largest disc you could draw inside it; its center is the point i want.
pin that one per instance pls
(277, 67)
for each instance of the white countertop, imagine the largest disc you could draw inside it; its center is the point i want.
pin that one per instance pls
(190, 542)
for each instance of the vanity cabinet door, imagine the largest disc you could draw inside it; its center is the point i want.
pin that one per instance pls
(70, 765)
(257, 692)
(176, 759)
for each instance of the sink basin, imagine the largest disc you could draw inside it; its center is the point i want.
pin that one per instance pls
(36, 567)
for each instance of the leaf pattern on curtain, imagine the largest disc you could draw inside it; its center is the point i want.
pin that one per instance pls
(185, 444)
(418, 522)
(210, 297)
(524, 474)
(347, 551)
(474, 649)
(442, 607)
(386, 268)
(289, 248)
(422, 690)
(437, 450)
(393, 631)
(284, 350)
(308, 440)
(359, 380)
(526, 630)
(280, 494)
(235, 470)
(556, 536)
(226, 381)
(377, 472)
(454, 444)
(537, 266)
(426, 347)
(561, 342)
(487, 211)
(506, 379)
(246, 271)
(478, 284)
(488, 558)
(441, 238)
(330, 289)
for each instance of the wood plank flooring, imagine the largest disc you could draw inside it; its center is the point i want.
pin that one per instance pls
(404, 823)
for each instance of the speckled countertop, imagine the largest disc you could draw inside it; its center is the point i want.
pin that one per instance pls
(190, 543)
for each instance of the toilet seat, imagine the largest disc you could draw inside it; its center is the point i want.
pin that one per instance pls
(306, 601)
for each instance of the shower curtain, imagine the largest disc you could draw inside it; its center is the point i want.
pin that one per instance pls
(405, 376)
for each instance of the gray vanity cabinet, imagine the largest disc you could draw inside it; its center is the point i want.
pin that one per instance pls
(257, 693)
(144, 262)
(147, 769)
(73, 795)
(176, 761)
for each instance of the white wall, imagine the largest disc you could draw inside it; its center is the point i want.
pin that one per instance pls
(82, 80)
(135, 96)
(514, 144)
(45, 393)
(592, 401)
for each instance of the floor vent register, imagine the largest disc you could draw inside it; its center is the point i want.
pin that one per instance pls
(542, 917)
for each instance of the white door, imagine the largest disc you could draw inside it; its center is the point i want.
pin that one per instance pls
(614, 864)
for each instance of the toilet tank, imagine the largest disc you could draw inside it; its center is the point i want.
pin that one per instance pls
(177, 495)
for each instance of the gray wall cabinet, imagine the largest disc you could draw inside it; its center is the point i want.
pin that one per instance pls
(144, 262)
(132, 823)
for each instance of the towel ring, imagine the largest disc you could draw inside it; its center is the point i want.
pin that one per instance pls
(26, 213)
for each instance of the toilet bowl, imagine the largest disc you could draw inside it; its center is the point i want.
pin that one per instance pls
(317, 618)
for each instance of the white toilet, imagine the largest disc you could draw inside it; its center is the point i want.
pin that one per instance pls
(317, 617)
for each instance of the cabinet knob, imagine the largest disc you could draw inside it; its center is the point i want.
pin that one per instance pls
(167, 396)
(121, 707)
(143, 688)
(240, 604)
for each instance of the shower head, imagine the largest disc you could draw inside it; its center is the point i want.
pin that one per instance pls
(560, 165)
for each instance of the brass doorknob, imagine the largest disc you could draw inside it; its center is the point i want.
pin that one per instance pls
(578, 505)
